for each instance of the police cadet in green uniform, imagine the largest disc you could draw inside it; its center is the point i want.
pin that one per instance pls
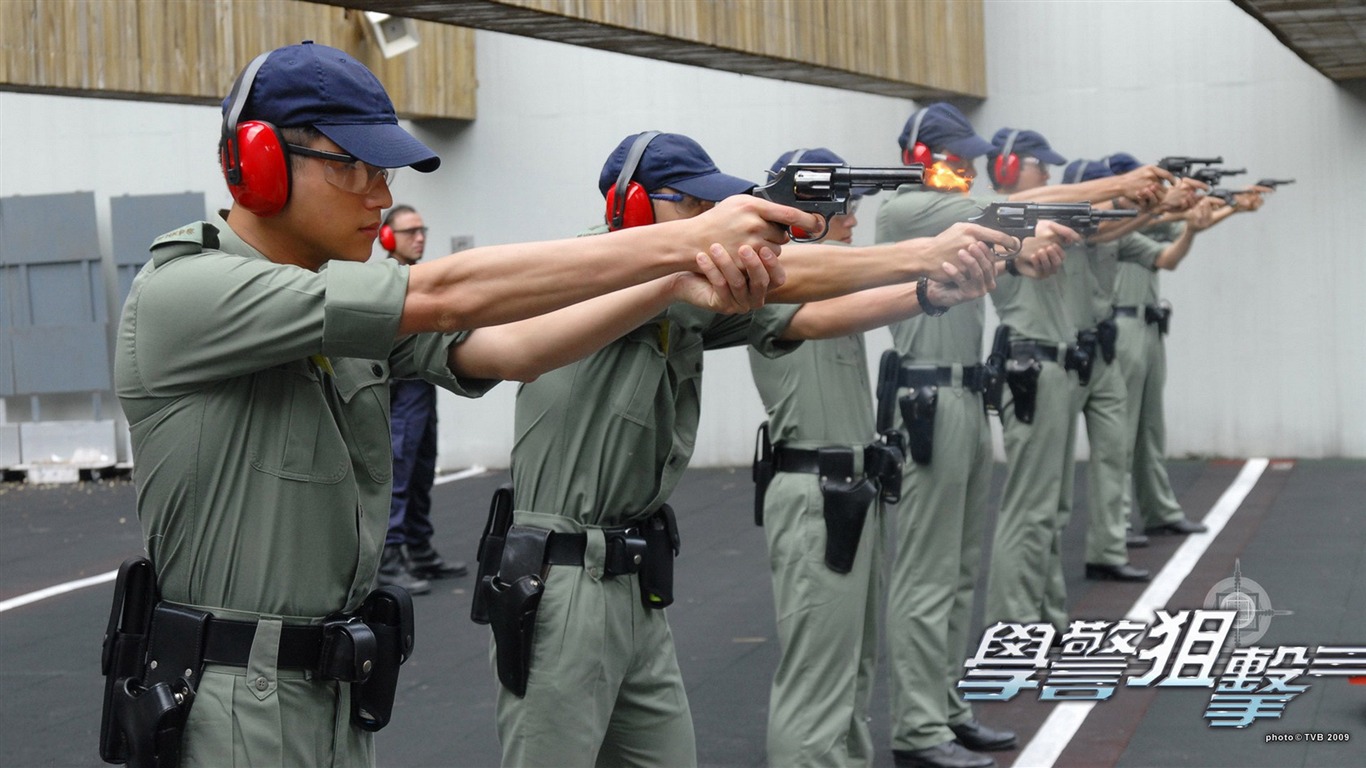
(1089, 272)
(574, 586)
(1143, 319)
(940, 518)
(1104, 401)
(252, 362)
(823, 530)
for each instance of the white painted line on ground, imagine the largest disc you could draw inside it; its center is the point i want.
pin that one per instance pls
(42, 594)
(1065, 720)
(473, 471)
(70, 586)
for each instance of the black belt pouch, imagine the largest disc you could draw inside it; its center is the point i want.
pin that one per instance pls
(1022, 376)
(883, 461)
(514, 597)
(762, 471)
(661, 547)
(847, 497)
(1080, 357)
(490, 554)
(388, 612)
(1107, 333)
(917, 410)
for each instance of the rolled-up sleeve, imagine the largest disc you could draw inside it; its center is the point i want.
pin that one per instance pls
(362, 309)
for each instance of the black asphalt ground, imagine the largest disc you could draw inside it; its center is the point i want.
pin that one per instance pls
(1300, 534)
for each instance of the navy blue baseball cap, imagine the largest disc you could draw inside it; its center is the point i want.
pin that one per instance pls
(817, 155)
(1085, 170)
(1028, 143)
(1123, 162)
(944, 127)
(675, 161)
(311, 85)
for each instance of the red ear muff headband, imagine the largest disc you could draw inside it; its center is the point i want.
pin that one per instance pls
(628, 203)
(255, 163)
(1006, 170)
(914, 151)
(386, 239)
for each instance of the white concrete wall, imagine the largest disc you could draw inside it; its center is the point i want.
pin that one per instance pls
(550, 113)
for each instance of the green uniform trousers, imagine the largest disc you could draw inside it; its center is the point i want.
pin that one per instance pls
(827, 628)
(1105, 407)
(604, 687)
(940, 522)
(1026, 579)
(1142, 356)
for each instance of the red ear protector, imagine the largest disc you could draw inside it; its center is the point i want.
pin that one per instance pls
(1005, 171)
(628, 203)
(914, 151)
(386, 239)
(255, 163)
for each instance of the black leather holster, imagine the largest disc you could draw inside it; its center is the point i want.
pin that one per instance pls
(1107, 335)
(847, 497)
(1022, 376)
(918, 407)
(762, 470)
(514, 596)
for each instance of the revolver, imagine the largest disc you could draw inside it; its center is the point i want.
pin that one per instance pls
(1211, 175)
(1180, 165)
(1020, 219)
(826, 188)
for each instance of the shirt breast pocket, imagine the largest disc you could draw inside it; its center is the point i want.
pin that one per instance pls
(295, 436)
(364, 389)
(640, 364)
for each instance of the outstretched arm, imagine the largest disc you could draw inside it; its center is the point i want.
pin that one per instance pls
(500, 284)
(523, 350)
(817, 271)
(876, 307)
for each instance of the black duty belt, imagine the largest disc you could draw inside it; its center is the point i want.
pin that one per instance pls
(229, 642)
(974, 377)
(625, 549)
(1126, 311)
(803, 460)
(1039, 350)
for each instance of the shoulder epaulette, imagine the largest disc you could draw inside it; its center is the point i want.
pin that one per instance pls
(184, 241)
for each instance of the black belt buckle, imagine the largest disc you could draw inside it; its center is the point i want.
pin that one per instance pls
(625, 551)
(348, 650)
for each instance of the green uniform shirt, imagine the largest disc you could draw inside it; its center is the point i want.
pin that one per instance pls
(1034, 309)
(1136, 282)
(956, 336)
(819, 395)
(1092, 271)
(257, 401)
(604, 440)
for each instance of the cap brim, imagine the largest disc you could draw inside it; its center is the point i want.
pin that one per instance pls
(969, 147)
(713, 186)
(385, 145)
(1046, 156)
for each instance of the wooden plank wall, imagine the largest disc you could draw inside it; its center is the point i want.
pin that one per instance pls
(190, 50)
(908, 48)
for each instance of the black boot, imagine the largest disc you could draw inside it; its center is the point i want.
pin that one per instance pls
(394, 573)
(950, 754)
(426, 563)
